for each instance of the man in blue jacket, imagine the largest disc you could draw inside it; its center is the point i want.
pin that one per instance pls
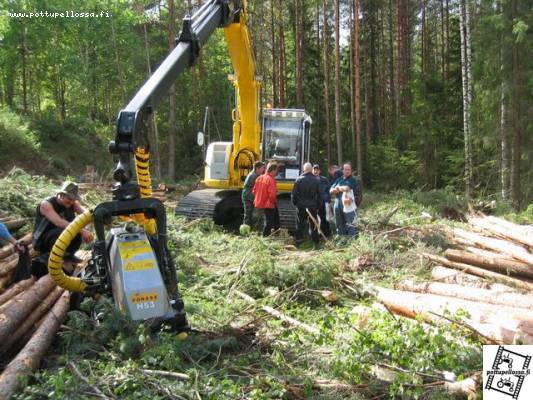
(344, 188)
(6, 235)
(324, 189)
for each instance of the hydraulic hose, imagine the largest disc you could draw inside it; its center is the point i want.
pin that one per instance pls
(144, 180)
(55, 262)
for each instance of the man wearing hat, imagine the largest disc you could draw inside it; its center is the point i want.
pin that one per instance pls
(54, 214)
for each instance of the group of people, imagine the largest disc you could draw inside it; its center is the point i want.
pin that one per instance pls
(312, 195)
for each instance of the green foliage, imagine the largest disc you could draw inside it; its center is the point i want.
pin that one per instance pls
(17, 141)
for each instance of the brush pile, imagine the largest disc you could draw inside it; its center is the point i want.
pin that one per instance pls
(31, 312)
(485, 278)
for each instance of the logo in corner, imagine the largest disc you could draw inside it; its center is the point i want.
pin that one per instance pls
(506, 372)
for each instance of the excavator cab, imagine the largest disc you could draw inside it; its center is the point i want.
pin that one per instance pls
(286, 140)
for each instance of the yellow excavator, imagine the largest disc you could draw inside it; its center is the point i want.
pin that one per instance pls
(283, 135)
(130, 257)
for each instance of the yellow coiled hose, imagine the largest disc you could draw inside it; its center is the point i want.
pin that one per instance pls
(142, 169)
(55, 262)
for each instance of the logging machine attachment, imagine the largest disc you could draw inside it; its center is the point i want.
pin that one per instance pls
(130, 257)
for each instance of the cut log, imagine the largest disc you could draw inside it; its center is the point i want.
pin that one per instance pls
(17, 309)
(499, 324)
(16, 289)
(449, 275)
(494, 263)
(498, 245)
(479, 312)
(30, 356)
(8, 267)
(5, 280)
(10, 249)
(515, 234)
(15, 224)
(526, 229)
(506, 280)
(467, 387)
(277, 314)
(472, 294)
(32, 319)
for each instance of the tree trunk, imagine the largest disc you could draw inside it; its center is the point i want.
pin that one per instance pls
(403, 56)
(471, 294)
(357, 87)
(423, 43)
(486, 320)
(275, 57)
(325, 48)
(520, 284)
(495, 263)
(15, 311)
(282, 57)
(497, 245)
(29, 358)
(23, 54)
(505, 158)
(516, 111)
(299, 18)
(338, 133)
(515, 234)
(31, 320)
(392, 82)
(467, 94)
(172, 98)
(16, 289)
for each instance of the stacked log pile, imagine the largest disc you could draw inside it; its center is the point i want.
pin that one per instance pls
(9, 260)
(13, 223)
(31, 312)
(487, 273)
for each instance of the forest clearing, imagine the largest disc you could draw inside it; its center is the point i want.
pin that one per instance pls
(240, 199)
(383, 316)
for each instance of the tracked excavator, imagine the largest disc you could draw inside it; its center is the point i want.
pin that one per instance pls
(130, 258)
(281, 135)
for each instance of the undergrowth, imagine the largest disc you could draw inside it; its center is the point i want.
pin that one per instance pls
(237, 351)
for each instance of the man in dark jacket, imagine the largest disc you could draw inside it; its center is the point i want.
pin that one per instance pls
(247, 191)
(306, 196)
(324, 189)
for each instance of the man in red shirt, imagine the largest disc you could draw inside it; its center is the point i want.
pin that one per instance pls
(265, 198)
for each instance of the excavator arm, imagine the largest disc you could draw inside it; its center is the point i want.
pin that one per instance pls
(131, 134)
(131, 131)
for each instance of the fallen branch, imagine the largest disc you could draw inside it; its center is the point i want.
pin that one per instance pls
(277, 314)
(385, 219)
(30, 356)
(167, 374)
(79, 375)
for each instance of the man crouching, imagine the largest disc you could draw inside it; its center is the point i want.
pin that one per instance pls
(54, 214)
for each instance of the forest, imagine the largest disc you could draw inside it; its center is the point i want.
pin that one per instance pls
(417, 94)
(428, 100)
